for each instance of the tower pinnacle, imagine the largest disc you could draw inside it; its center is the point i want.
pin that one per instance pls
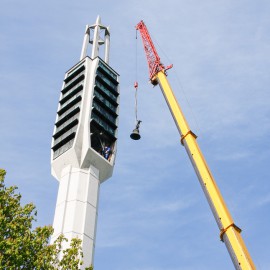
(101, 36)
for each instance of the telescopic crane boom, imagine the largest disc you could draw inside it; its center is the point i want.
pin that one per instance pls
(229, 232)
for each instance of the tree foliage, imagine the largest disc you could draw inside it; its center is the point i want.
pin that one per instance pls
(22, 247)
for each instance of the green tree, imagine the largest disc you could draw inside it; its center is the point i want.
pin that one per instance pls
(22, 247)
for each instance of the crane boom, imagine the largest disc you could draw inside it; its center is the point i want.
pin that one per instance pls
(229, 232)
(153, 60)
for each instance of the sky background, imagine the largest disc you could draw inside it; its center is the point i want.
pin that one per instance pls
(152, 212)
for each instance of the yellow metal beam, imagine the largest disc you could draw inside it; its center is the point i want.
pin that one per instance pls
(229, 232)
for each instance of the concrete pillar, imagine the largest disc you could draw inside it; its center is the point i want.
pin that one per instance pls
(85, 42)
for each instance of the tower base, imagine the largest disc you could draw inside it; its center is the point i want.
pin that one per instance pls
(77, 209)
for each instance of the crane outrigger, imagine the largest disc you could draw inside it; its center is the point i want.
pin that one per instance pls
(229, 232)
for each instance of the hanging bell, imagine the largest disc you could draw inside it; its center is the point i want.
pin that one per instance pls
(135, 135)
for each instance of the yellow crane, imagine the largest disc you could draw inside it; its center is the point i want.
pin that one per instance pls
(229, 232)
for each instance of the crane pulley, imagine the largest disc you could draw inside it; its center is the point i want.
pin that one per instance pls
(229, 232)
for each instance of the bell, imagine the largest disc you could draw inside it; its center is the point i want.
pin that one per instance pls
(135, 135)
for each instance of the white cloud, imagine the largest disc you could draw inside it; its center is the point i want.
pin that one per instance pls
(263, 200)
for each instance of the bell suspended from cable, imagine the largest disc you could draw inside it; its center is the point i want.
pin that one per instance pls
(135, 135)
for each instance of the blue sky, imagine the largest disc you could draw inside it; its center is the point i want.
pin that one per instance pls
(152, 212)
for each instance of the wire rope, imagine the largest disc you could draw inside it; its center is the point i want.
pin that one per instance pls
(136, 105)
(136, 79)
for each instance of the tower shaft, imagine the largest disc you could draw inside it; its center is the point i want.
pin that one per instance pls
(77, 208)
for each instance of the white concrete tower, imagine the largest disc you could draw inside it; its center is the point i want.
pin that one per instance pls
(84, 140)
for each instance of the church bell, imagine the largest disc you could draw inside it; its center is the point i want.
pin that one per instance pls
(135, 135)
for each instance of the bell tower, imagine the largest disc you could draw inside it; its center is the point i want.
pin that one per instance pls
(84, 140)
